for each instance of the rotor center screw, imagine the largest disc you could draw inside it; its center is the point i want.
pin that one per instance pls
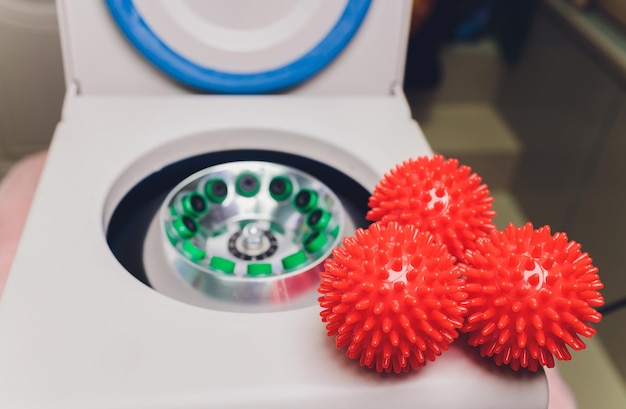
(252, 237)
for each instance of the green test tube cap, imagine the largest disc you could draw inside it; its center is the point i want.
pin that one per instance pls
(305, 200)
(318, 219)
(216, 190)
(194, 204)
(280, 188)
(222, 264)
(185, 227)
(192, 251)
(315, 241)
(248, 184)
(294, 260)
(259, 269)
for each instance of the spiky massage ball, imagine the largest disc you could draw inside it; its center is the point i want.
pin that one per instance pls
(530, 295)
(391, 295)
(436, 195)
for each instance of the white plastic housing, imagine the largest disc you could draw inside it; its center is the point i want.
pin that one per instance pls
(78, 331)
(100, 61)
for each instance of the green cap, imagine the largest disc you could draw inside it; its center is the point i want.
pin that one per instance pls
(222, 264)
(185, 227)
(318, 219)
(216, 190)
(194, 204)
(305, 200)
(280, 188)
(173, 211)
(248, 184)
(315, 241)
(258, 269)
(171, 235)
(192, 251)
(294, 260)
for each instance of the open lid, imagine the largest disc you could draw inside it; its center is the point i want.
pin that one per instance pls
(268, 46)
(234, 46)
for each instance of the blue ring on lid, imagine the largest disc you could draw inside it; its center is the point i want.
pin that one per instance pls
(203, 78)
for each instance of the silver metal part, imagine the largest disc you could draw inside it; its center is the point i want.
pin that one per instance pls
(254, 257)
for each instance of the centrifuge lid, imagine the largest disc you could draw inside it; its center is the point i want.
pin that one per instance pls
(302, 47)
(270, 45)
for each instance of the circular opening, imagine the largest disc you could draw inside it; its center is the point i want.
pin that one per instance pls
(247, 227)
(243, 230)
(159, 50)
(281, 188)
(216, 190)
(248, 184)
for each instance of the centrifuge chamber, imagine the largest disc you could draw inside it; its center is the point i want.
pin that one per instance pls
(97, 312)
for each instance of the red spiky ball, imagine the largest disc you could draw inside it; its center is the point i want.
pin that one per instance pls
(530, 295)
(438, 196)
(391, 295)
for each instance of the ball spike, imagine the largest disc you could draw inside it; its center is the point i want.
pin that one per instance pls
(402, 325)
(543, 300)
(436, 195)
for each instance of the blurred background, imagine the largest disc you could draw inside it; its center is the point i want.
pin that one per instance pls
(530, 93)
